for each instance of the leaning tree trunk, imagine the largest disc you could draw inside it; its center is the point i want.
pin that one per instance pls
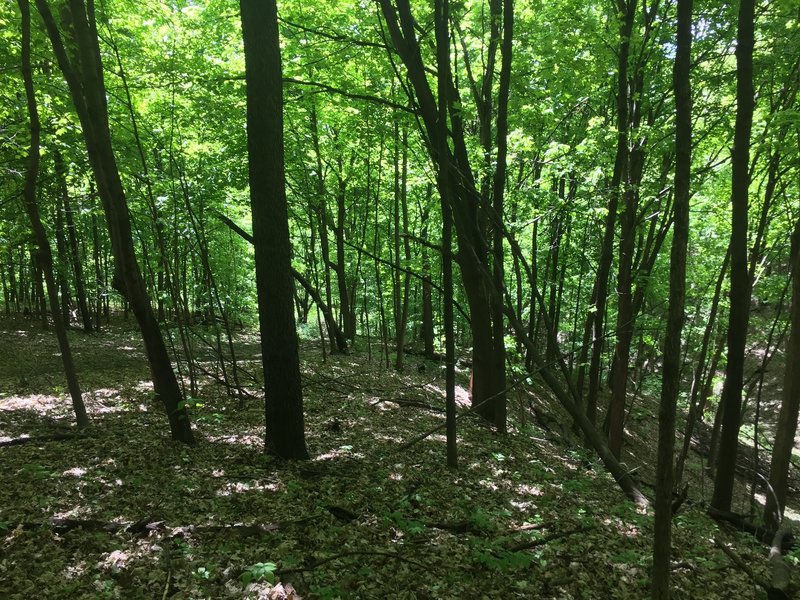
(29, 196)
(84, 74)
(469, 215)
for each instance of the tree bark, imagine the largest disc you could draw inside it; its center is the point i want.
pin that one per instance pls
(740, 281)
(45, 256)
(442, 19)
(671, 374)
(469, 215)
(285, 435)
(787, 419)
(84, 74)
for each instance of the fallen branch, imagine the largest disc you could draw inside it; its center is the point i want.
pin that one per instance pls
(55, 437)
(455, 527)
(406, 402)
(781, 575)
(745, 568)
(328, 559)
(549, 538)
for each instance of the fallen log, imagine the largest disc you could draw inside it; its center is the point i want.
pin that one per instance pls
(781, 575)
(761, 533)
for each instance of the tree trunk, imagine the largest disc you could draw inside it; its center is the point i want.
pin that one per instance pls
(787, 419)
(279, 345)
(740, 281)
(597, 314)
(671, 377)
(469, 214)
(84, 74)
(29, 196)
(72, 239)
(442, 9)
(695, 408)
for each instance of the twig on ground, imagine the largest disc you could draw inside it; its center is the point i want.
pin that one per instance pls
(549, 538)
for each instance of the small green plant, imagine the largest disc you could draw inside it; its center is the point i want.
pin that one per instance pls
(259, 571)
(405, 524)
(35, 471)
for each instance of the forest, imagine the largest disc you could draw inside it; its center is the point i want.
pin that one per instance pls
(399, 299)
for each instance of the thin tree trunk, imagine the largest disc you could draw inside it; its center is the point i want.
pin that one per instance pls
(740, 281)
(406, 280)
(790, 406)
(599, 296)
(29, 195)
(671, 375)
(84, 75)
(72, 239)
(695, 410)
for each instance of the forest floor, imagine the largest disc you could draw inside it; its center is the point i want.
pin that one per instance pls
(121, 511)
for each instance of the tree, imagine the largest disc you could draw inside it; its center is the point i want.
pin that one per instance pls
(671, 371)
(45, 256)
(471, 212)
(787, 418)
(740, 281)
(83, 70)
(279, 346)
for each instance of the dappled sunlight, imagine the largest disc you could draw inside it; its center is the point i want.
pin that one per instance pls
(623, 527)
(240, 487)
(246, 440)
(341, 452)
(143, 508)
(145, 386)
(74, 472)
(462, 394)
(39, 403)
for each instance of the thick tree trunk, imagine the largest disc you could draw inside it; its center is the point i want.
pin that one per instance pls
(442, 10)
(740, 281)
(279, 346)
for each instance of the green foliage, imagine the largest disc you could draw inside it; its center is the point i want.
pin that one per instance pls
(259, 571)
(404, 523)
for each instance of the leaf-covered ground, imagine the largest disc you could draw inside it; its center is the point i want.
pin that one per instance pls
(123, 512)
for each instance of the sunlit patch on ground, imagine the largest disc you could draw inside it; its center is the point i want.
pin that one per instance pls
(239, 487)
(349, 521)
(39, 403)
(74, 472)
